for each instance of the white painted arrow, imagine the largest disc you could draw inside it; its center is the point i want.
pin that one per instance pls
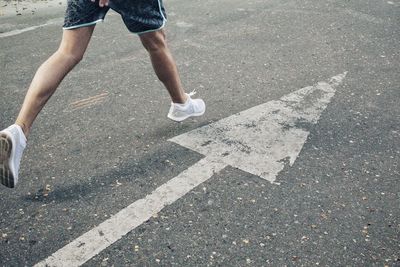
(257, 140)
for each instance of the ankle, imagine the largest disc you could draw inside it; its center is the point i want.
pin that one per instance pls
(24, 128)
(182, 100)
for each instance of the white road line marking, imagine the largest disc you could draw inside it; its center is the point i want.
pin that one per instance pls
(93, 242)
(258, 140)
(16, 32)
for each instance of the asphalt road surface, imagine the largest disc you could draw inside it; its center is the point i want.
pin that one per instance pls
(103, 140)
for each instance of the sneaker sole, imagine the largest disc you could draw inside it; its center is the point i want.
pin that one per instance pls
(184, 118)
(6, 176)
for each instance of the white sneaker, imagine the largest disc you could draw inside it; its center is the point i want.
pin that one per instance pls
(12, 144)
(192, 107)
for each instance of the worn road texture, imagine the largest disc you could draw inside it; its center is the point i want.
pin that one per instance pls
(101, 142)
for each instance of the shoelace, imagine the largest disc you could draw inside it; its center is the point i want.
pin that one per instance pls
(192, 93)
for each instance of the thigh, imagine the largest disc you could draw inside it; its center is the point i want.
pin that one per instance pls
(76, 41)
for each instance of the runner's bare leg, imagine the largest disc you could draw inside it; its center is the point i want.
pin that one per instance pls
(164, 64)
(52, 72)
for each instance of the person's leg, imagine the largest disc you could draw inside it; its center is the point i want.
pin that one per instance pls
(44, 84)
(182, 106)
(164, 64)
(51, 73)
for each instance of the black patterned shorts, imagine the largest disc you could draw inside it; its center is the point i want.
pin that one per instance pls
(139, 16)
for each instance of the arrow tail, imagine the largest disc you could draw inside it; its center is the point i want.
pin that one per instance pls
(94, 241)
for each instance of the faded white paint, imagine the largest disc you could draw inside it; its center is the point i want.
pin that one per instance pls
(256, 140)
(19, 31)
(93, 242)
(260, 139)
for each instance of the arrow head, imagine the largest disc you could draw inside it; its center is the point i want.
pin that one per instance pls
(262, 139)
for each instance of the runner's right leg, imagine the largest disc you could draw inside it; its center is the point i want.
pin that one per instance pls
(44, 84)
(52, 72)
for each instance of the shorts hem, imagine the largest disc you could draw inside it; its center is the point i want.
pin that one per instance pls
(163, 24)
(83, 25)
(153, 30)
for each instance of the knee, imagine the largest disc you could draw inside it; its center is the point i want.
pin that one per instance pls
(71, 56)
(154, 41)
